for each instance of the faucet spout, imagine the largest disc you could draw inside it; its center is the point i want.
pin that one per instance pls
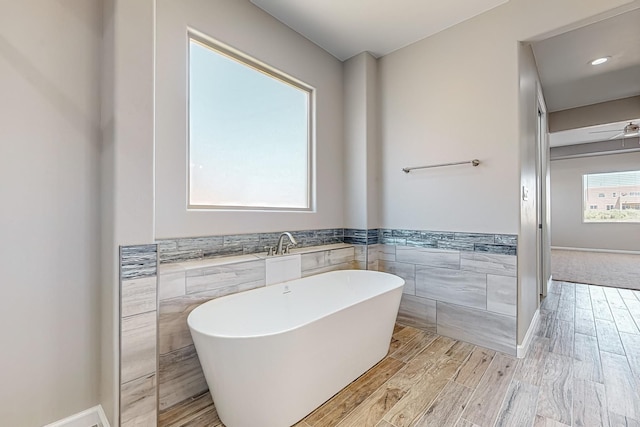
(281, 241)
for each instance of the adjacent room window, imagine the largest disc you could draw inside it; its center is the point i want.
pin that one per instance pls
(250, 133)
(612, 197)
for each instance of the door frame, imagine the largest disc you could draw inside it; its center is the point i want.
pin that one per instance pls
(543, 208)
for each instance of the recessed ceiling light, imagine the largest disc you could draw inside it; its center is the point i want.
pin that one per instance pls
(600, 60)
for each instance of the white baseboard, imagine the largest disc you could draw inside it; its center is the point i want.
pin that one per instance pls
(87, 418)
(610, 251)
(521, 351)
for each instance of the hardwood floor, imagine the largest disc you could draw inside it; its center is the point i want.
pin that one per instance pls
(582, 369)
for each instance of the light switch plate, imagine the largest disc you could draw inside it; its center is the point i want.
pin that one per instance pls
(525, 193)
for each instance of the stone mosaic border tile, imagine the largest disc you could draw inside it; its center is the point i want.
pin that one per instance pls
(356, 236)
(138, 261)
(193, 248)
(503, 244)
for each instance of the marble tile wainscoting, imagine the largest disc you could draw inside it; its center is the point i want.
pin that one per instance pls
(138, 335)
(366, 244)
(460, 285)
(185, 285)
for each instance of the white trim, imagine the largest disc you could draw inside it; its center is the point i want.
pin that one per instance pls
(87, 418)
(610, 251)
(521, 351)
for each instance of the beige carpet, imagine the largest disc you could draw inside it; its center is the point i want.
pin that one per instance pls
(596, 268)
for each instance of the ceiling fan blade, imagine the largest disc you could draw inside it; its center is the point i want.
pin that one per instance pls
(617, 136)
(605, 131)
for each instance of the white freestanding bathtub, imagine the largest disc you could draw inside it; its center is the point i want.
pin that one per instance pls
(272, 355)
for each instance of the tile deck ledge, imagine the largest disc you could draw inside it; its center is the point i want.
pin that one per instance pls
(237, 259)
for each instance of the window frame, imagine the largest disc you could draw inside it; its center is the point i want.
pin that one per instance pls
(259, 66)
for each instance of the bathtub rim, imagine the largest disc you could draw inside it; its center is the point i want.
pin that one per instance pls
(400, 285)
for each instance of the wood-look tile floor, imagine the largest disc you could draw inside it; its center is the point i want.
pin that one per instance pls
(582, 369)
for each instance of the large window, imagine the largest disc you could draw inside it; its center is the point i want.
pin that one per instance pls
(250, 133)
(612, 197)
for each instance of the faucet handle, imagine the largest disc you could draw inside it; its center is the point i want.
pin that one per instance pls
(270, 250)
(287, 248)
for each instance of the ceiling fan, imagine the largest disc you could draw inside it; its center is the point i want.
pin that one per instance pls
(629, 131)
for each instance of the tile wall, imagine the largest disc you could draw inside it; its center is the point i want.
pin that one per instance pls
(185, 285)
(461, 285)
(505, 244)
(138, 335)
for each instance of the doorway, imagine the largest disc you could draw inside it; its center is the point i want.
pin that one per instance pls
(543, 244)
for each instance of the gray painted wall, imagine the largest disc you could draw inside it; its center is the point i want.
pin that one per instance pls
(355, 141)
(361, 162)
(596, 114)
(127, 191)
(566, 205)
(252, 31)
(528, 291)
(49, 257)
(440, 106)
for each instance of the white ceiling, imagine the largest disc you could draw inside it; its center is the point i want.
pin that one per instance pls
(588, 134)
(346, 28)
(569, 80)
(567, 77)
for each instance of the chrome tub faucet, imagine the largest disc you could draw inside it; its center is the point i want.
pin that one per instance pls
(279, 249)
